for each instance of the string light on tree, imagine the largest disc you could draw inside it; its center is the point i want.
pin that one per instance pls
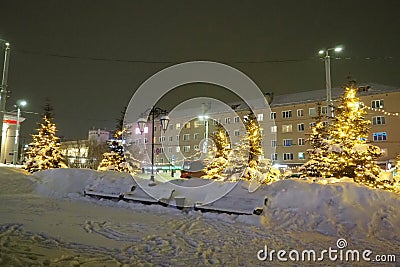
(44, 152)
(349, 152)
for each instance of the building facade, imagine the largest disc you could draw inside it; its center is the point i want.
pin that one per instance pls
(86, 153)
(286, 139)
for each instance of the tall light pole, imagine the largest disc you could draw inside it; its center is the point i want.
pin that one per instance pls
(19, 105)
(327, 60)
(3, 94)
(154, 112)
(205, 107)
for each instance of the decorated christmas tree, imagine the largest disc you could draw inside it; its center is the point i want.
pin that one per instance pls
(318, 164)
(215, 167)
(44, 152)
(247, 157)
(397, 169)
(349, 153)
(115, 158)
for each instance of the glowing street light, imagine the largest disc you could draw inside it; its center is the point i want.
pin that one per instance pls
(19, 105)
(327, 60)
(155, 112)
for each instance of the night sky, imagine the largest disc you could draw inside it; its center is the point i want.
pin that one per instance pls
(88, 57)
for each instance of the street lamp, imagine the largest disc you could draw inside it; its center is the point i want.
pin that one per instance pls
(205, 144)
(205, 108)
(154, 112)
(327, 60)
(3, 93)
(19, 105)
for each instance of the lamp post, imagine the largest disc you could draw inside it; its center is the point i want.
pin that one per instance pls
(3, 94)
(205, 144)
(20, 103)
(205, 108)
(327, 60)
(154, 112)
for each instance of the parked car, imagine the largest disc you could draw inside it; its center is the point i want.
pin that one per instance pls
(192, 168)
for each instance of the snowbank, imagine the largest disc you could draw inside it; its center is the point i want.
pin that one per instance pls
(342, 209)
(14, 180)
(60, 183)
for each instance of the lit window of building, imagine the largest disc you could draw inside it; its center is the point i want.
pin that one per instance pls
(178, 126)
(274, 129)
(187, 125)
(381, 136)
(260, 117)
(287, 142)
(287, 128)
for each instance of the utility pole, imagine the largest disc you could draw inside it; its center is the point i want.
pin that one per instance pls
(3, 98)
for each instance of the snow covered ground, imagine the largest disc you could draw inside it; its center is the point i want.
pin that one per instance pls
(45, 220)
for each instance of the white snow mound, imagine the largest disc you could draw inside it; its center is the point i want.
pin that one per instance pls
(59, 183)
(341, 209)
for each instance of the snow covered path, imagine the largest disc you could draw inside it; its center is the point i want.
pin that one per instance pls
(42, 231)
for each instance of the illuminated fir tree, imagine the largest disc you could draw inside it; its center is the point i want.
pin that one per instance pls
(247, 158)
(350, 154)
(397, 169)
(215, 169)
(318, 164)
(44, 152)
(115, 158)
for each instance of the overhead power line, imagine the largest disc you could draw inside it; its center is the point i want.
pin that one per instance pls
(261, 61)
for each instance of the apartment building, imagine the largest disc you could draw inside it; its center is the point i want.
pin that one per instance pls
(86, 153)
(293, 116)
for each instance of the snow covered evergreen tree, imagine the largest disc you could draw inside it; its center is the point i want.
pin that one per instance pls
(115, 158)
(397, 166)
(247, 156)
(318, 164)
(349, 153)
(44, 152)
(215, 169)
